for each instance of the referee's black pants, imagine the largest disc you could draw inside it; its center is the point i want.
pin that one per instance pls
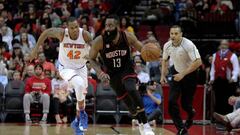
(186, 89)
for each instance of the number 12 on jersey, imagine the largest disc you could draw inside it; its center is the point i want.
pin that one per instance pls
(73, 54)
(117, 62)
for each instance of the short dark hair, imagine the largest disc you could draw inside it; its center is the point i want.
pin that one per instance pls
(115, 17)
(71, 19)
(38, 65)
(177, 26)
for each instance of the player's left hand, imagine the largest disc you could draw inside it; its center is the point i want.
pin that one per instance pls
(178, 77)
(104, 77)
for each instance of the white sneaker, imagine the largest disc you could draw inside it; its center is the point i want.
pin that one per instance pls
(141, 128)
(153, 123)
(147, 129)
(135, 122)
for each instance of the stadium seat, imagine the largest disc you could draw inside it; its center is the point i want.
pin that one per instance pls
(106, 102)
(14, 98)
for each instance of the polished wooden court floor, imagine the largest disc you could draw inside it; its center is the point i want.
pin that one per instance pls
(53, 129)
(61, 129)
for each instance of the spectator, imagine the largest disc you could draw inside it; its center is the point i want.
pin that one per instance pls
(4, 54)
(45, 20)
(28, 72)
(37, 89)
(208, 67)
(3, 23)
(16, 75)
(142, 75)
(16, 62)
(47, 66)
(54, 17)
(60, 98)
(151, 101)
(125, 25)
(202, 7)
(26, 45)
(221, 6)
(24, 29)
(224, 75)
(3, 73)
(231, 120)
(6, 38)
(78, 10)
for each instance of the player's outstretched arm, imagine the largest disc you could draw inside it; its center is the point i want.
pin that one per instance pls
(51, 32)
(133, 41)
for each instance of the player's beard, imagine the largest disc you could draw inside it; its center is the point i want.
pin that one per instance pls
(109, 36)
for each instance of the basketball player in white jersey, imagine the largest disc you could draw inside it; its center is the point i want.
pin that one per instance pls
(72, 63)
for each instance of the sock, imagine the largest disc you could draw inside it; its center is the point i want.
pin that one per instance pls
(27, 116)
(45, 116)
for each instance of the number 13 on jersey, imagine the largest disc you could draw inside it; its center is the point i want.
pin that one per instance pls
(117, 62)
(73, 54)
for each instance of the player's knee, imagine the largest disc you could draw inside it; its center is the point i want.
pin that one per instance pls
(79, 87)
(77, 82)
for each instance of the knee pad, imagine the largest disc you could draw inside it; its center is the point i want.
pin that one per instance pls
(79, 86)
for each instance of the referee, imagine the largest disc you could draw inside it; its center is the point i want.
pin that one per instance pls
(186, 59)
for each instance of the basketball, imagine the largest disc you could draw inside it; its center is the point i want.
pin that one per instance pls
(150, 52)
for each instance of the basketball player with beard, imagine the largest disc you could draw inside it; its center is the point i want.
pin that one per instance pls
(114, 48)
(72, 64)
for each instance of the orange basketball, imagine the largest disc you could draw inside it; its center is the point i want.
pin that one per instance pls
(150, 52)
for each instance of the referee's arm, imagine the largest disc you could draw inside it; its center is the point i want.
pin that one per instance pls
(195, 64)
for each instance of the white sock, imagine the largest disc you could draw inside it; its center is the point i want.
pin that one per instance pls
(45, 115)
(27, 116)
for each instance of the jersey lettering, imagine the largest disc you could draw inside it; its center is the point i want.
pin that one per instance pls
(74, 54)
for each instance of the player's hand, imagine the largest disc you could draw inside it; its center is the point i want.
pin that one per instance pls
(178, 77)
(232, 100)
(163, 80)
(104, 77)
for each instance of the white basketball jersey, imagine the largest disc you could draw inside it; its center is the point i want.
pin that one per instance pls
(71, 52)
